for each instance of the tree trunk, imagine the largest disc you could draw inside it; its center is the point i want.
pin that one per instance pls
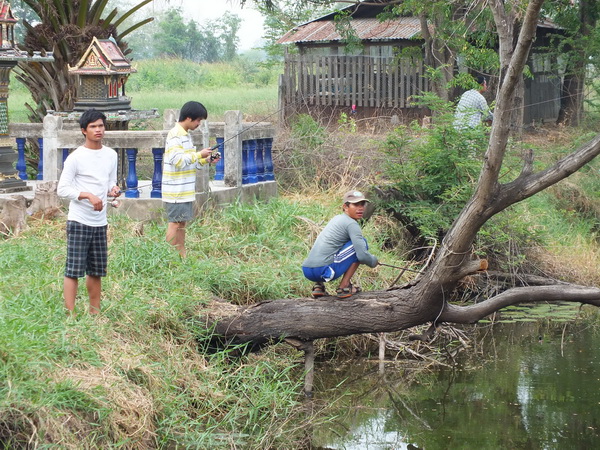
(45, 202)
(439, 57)
(13, 215)
(507, 25)
(571, 99)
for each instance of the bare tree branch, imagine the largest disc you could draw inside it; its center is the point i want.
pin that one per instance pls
(531, 294)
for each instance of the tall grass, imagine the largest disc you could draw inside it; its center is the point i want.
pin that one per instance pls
(255, 102)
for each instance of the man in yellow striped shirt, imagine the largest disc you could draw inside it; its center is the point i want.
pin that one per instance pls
(181, 159)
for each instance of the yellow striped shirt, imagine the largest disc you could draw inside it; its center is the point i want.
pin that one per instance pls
(180, 161)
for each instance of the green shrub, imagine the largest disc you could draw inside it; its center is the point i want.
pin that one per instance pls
(310, 134)
(432, 173)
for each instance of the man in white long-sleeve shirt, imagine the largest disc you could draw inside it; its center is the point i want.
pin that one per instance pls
(88, 178)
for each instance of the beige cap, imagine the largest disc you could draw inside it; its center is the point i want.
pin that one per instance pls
(355, 197)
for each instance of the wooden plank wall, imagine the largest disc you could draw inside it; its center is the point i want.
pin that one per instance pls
(353, 80)
(542, 98)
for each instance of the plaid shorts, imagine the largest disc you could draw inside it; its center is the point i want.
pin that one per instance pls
(87, 250)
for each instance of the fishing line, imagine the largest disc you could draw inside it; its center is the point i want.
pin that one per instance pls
(401, 268)
(216, 146)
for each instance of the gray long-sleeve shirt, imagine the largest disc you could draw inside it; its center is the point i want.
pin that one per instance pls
(341, 229)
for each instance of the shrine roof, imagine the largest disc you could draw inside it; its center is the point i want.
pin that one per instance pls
(102, 57)
(6, 14)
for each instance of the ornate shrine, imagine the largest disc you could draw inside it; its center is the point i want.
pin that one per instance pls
(102, 73)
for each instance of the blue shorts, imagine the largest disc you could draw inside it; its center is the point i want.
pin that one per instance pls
(342, 261)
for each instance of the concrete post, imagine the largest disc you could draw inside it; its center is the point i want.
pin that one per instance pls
(51, 126)
(170, 117)
(202, 173)
(233, 148)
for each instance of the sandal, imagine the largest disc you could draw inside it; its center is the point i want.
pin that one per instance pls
(318, 290)
(347, 291)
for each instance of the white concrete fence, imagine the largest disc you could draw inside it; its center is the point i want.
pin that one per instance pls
(245, 171)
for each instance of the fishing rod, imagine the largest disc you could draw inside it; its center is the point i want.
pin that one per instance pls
(401, 268)
(216, 146)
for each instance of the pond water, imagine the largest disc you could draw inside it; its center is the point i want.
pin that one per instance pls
(527, 385)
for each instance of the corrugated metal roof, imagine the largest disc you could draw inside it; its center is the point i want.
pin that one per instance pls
(365, 28)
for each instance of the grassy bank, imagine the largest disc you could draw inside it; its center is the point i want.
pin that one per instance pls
(139, 376)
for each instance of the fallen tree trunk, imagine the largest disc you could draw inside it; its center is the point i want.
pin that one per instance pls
(306, 319)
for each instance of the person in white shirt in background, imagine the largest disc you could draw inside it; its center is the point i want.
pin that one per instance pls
(472, 107)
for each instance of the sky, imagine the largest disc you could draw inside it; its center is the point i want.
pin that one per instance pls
(202, 11)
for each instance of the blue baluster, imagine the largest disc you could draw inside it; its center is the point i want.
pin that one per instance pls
(40, 173)
(132, 182)
(244, 162)
(252, 161)
(64, 155)
(269, 174)
(21, 164)
(220, 167)
(260, 163)
(157, 154)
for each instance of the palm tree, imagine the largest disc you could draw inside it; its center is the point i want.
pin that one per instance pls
(66, 27)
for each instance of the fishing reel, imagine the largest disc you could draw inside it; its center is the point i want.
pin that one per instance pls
(114, 202)
(214, 155)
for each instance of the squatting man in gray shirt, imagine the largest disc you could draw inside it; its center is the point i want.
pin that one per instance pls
(339, 249)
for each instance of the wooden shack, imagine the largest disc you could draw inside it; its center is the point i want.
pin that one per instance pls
(323, 78)
(102, 72)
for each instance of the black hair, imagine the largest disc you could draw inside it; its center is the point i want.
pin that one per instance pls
(193, 110)
(480, 79)
(89, 116)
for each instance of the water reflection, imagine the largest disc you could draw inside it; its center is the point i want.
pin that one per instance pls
(533, 386)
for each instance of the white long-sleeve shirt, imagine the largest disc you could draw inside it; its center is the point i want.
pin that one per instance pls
(88, 170)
